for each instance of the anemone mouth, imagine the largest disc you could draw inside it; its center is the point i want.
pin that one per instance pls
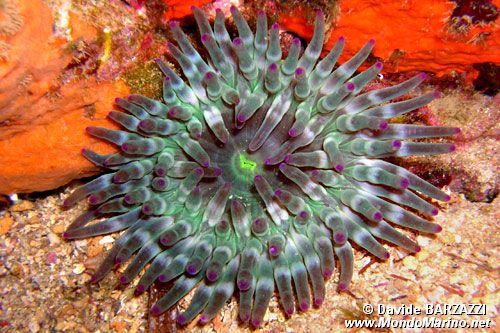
(256, 174)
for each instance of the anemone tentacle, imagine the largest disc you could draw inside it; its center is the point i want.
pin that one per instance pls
(256, 173)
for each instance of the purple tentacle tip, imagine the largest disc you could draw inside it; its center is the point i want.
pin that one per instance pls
(147, 209)
(191, 269)
(318, 301)
(243, 285)
(205, 37)
(209, 75)
(67, 203)
(140, 288)
(212, 276)
(155, 310)
(339, 167)
(237, 41)
(342, 286)
(203, 319)
(377, 216)
(383, 125)
(404, 183)
(92, 199)
(128, 199)
(327, 273)
(299, 71)
(304, 306)
(339, 237)
(181, 319)
(396, 144)
(123, 279)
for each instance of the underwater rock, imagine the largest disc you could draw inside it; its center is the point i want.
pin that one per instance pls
(410, 35)
(42, 116)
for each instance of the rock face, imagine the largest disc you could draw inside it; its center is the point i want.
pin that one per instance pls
(44, 153)
(49, 90)
(43, 117)
(428, 35)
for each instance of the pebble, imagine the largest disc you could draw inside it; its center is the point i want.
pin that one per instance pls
(51, 257)
(119, 326)
(5, 224)
(22, 206)
(33, 326)
(58, 229)
(410, 262)
(421, 256)
(78, 269)
(53, 238)
(106, 240)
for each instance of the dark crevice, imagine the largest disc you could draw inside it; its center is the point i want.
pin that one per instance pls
(488, 80)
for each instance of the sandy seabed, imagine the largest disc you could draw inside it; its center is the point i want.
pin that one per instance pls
(44, 279)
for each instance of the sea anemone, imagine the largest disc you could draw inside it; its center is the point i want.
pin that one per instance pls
(255, 173)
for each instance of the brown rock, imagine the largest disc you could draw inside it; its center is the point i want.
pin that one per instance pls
(22, 206)
(5, 224)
